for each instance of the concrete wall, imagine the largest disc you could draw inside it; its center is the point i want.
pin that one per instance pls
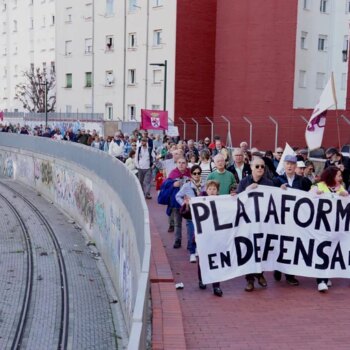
(105, 198)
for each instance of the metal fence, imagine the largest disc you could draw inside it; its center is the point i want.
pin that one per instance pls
(57, 116)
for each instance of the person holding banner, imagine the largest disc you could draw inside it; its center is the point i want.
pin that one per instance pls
(292, 180)
(192, 188)
(211, 189)
(251, 182)
(331, 182)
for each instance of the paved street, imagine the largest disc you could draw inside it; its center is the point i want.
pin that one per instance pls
(280, 317)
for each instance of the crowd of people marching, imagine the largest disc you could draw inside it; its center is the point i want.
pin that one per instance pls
(184, 169)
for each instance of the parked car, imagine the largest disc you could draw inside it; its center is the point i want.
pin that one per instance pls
(345, 150)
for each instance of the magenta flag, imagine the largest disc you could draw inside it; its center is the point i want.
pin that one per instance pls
(154, 120)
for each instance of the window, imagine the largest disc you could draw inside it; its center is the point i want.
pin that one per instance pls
(14, 3)
(302, 78)
(109, 7)
(303, 43)
(347, 6)
(88, 46)
(132, 76)
(322, 43)
(132, 5)
(4, 52)
(157, 76)
(4, 27)
(5, 72)
(132, 40)
(344, 81)
(88, 77)
(31, 2)
(320, 80)
(306, 4)
(15, 50)
(345, 48)
(15, 71)
(43, 23)
(155, 107)
(109, 111)
(68, 48)
(109, 43)
(157, 38)
(52, 20)
(15, 26)
(4, 7)
(157, 3)
(68, 109)
(69, 80)
(88, 11)
(324, 6)
(68, 15)
(109, 78)
(31, 23)
(132, 112)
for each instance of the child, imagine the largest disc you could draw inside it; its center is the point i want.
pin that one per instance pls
(212, 189)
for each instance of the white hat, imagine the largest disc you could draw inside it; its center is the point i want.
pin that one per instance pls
(300, 164)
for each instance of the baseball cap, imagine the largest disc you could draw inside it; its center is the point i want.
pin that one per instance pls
(300, 164)
(291, 159)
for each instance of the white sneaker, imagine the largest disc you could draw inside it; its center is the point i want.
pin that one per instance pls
(193, 258)
(322, 287)
(329, 283)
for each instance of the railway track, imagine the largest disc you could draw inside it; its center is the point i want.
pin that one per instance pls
(26, 304)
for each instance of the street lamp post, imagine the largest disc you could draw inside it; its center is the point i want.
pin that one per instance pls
(165, 65)
(45, 84)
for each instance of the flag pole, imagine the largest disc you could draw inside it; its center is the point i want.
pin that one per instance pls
(336, 110)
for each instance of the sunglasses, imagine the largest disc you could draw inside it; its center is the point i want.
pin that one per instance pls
(279, 152)
(196, 173)
(259, 166)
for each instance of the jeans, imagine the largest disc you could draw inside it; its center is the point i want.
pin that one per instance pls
(177, 223)
(191, 244)
(145, 177)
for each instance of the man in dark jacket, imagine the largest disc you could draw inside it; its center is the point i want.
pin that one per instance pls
(292, 180)
(248, 183)
(239, 168)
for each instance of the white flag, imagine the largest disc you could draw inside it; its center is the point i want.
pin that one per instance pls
(315, 127)
(287, 151)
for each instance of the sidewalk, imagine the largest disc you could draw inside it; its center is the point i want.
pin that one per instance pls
(279, 317)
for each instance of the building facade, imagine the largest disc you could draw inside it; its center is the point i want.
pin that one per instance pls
(111, 55)
(27, 41)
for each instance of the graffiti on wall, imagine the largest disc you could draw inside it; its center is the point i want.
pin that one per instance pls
(64, 186)
(6, 164)
(46, 172)
(84, 199)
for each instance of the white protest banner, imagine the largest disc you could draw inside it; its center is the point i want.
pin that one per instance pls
(269, 229)
(173, 131)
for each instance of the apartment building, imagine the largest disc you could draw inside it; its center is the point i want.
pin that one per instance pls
(27, 40)
(322, 42)
(111, 54)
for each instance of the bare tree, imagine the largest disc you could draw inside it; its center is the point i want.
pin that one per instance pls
(32, 91)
